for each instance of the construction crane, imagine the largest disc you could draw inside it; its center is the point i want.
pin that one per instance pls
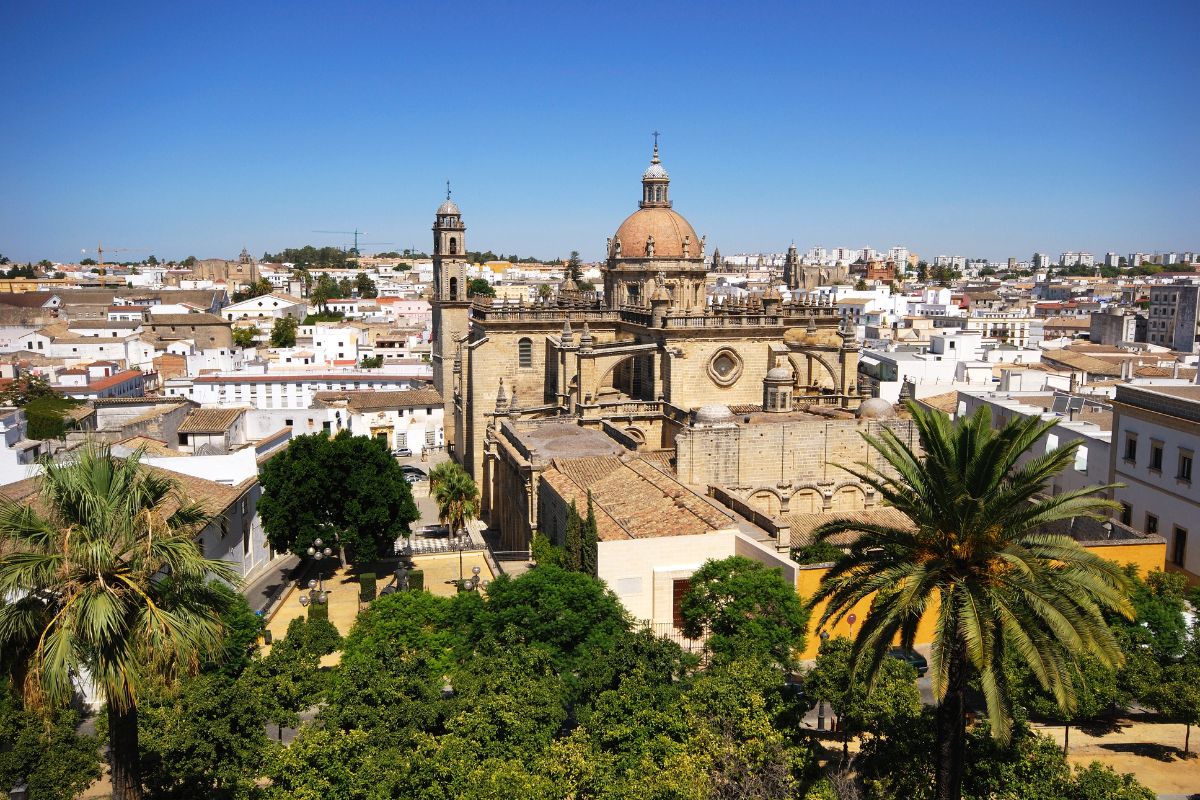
(101, 250)
(355, 233)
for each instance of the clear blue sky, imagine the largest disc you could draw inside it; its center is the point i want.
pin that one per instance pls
(983, 129)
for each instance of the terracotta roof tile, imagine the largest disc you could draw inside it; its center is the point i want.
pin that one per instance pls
(211, 420)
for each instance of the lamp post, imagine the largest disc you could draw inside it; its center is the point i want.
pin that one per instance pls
(821, 701)
(316, 588)
(462, 545)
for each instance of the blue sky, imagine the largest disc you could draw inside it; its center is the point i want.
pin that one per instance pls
(982, 129)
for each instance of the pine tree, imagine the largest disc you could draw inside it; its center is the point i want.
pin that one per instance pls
(589, 558)
(573, 540)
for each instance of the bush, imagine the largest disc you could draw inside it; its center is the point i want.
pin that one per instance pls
(366, 587)
(316, 635)
(416, 580)
(817, 553)
(544, 552)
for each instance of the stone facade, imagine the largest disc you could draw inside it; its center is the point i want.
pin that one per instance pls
(633, 363)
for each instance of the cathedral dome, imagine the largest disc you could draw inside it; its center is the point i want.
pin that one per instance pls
(780, 373)
(875, 408)
(655, 172)
(668, 228)
(713, 414)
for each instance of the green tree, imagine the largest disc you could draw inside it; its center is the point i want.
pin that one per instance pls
(544, 291)
(881, 708)
(365, 286)
(977, 544)
(479, 286)
(589, 552)
(456, 495)
(575, 267)
(747, 609)
(1094, 687)
(283, 332)
(244, 337)
(573, 540)
(46, 754)
(1178, 695)
(323, 290)
(371, 362)
(346, 489)
(205, 738)
(88, 564)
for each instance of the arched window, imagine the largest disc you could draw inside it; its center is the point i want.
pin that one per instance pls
(454, 288)
(453, 245)
(525, 352)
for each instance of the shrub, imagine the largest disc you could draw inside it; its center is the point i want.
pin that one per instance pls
(366, 587)
(416, 580)
(318, 611)
(544, 552)
(816, 553)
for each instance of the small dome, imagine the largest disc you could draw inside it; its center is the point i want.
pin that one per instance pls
(875, 408)
(448, 207)
(780, 373)
(655, 172)
(713, 414)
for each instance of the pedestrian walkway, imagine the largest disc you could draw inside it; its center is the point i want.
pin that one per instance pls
(1150, 750)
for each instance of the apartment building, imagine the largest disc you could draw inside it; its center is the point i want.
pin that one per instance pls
(1174, 316)
(1156, 435)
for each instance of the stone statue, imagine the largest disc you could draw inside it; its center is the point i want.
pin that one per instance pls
(703, 242)
(650, 246)
(617, 247)
(608, 245)
(687, 245)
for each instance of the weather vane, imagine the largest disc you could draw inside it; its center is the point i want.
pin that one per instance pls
(447, 190)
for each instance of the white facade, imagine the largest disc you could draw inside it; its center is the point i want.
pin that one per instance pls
(1156, 436)
(284, 390)
(642, 572)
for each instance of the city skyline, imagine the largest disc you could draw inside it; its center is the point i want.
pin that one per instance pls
(190, 133)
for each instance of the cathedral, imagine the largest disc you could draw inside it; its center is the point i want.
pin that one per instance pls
(635, 365)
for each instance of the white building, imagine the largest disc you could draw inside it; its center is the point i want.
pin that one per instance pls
(407, 419)
(264, 310)
(282, 390)
(1156, 435)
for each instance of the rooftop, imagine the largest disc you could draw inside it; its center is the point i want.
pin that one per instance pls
(211, 420)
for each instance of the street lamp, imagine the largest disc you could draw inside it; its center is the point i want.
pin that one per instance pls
(462, 545)
(316, 588)
(821, 701)
(475, 579)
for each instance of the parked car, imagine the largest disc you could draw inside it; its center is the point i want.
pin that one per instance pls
(409, 469)
(402, 452)
(912, 658)
(413, 478)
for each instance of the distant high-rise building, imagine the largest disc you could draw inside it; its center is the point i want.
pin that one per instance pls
(1012, 262)
(1112, 260)
(1137, 259)
(1041, 261)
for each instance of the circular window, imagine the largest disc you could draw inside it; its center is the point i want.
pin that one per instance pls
(725, 367)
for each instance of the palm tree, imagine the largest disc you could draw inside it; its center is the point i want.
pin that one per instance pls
(977, 556)
(456, 494)
(110, 586)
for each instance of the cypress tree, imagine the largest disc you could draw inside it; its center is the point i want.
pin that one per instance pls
(590, 557)
(573, 540)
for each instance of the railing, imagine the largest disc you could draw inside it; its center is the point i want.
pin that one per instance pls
(666, 630)
(425, 547)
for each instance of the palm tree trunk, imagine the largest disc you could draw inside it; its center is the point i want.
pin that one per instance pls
(123, 755)
(1187, 738)
(1066, 738)
(952, 727)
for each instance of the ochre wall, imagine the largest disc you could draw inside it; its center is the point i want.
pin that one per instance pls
(1147, 557)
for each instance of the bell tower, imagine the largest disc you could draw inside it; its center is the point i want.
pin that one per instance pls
(450, 305)
(449, 252)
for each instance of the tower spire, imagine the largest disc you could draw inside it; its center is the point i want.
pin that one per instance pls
(447, 190)
(655, 159)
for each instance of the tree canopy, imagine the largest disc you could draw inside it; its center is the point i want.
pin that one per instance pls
(345, 489)
(746, 608)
